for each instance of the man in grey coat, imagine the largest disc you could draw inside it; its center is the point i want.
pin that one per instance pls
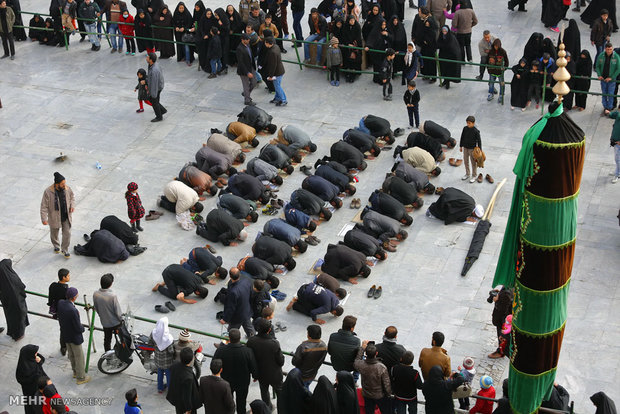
(57, 207)
(109, 310)
(155, 85)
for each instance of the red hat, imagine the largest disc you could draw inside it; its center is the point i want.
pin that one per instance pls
(132, 186)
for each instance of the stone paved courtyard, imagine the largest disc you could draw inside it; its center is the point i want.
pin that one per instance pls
(82, 104)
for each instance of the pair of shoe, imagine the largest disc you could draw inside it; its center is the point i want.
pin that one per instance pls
(356, 203)
(455, 163)
(280, 327)
(305, 169)
(276, 202)
(165, 308)
(375, 292)
(153, 215)
(312, 240)
(279, 296)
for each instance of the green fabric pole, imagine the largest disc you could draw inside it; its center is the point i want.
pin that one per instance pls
(505, 272)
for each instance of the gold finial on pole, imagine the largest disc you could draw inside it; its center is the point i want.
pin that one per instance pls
(561, 75)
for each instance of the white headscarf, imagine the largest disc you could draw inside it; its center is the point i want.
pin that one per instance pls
(161, 334)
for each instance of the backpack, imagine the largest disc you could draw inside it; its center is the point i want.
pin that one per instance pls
(124, 344)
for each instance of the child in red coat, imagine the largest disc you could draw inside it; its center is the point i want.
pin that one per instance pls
(135, 210)
(127, 31)
(486, 390)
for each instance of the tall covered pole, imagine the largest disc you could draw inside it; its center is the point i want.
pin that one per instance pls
(539, 245)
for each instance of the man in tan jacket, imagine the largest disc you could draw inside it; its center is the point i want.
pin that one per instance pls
(436, 355)
(57, 206)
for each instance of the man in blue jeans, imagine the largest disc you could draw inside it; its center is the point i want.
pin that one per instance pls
(318, 30)
(297, 8)
(113, 10)
(274, 70)
(608, 68)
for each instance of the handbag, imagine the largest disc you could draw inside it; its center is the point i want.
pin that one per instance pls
(188, 38)
(479, 156)
(462, 391)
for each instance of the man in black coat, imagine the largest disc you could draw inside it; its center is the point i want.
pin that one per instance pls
(418, 139)
(215, 392)
(179, 283)
(362, 141)
(183, 391)
(366, 244)
(342, 180)
(344, 263)
(221, 226)
(381, 226)
(71, 330)
(313, 300)
(347, 155)
(245, 68)
(269, 359)
(323, 188)
(202, 262)
(438, 133)
(402, 191)
(412, 176)
(388, 350)
(237, 310)
(248, 188)
(280, 156)
(377, 127)
(258, 269)
(274, 251)
(343, 345)
(389, 206)
(309, 203)
(238, 364)
(238, 207)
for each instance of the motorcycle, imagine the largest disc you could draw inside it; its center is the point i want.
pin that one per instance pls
(120, 357)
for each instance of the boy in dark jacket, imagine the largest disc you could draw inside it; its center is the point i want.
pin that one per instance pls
(386, 74)
(470, 139)
(406, 381)
(412, 99)
(534, 79)
(214, 53)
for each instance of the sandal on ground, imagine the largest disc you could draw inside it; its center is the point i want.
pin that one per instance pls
(452, 162)
(458, 162)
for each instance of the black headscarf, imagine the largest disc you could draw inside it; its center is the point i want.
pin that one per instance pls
(206, 23)
(236, 24)
(182, 19)
(13, 299)
(371, 21)
(28, 369)
(572, 39)
(399, 34)
(449, 49)
(324, 398)
(346, 393)
(583, 66)
(225, 26)
(197, 14)
(337, 31)
(533, 49)
(351, 34)
(549, 47)
(375, 39)
(259, 407)
(294, 397)
(604, 404)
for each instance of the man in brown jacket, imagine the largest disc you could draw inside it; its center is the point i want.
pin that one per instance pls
(436, 355)
(376, 387)
(274, 70)
(57, 206)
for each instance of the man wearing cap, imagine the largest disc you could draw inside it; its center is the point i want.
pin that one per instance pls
(185, 341)
(57, 206)
(71, 331)
(318, 29)
(221, 226)
(246, 68)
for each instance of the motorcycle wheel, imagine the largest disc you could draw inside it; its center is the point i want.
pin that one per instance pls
(111, 365)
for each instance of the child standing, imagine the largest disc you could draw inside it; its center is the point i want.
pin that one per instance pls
(132, 406)
(135, 210)
(470, 139)
(214, 53)
(467, 371)
(143, 95)
(386, 74)
(486, 390)
(125, 23)
(413, 63)
(412, 99)
(406, 382)
(535, 79)
(334, 61)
